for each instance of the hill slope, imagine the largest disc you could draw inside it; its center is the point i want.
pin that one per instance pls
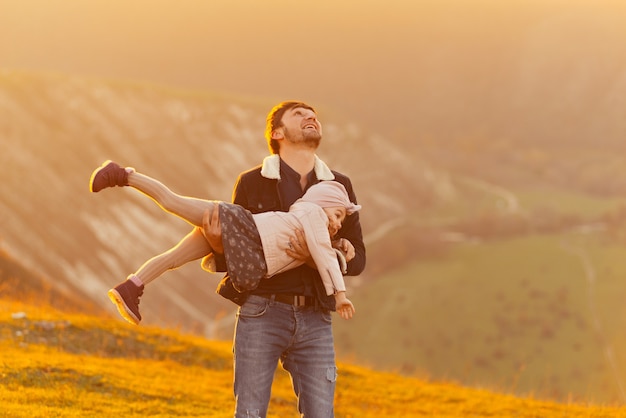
(55, 130)
(71, 365)
(419, 228)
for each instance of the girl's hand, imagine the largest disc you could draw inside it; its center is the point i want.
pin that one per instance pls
(344, 307)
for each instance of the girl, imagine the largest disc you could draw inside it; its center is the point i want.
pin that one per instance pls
(254, 245)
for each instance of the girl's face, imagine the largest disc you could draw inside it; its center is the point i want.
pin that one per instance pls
(336, 216)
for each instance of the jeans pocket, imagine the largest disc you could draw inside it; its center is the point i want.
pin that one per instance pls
(253, 308)
(327, 317)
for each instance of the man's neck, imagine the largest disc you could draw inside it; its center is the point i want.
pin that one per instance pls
(301, 160)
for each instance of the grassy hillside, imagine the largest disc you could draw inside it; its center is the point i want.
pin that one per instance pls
(62, 128)
(26, 286)
(541, 314)
(64, 364)
(468, 250)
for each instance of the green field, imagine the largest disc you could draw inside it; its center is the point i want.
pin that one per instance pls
(541, 315)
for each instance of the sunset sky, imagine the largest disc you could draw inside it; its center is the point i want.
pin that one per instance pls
(360, 56)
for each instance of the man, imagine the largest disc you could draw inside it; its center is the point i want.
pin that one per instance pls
(287, 317)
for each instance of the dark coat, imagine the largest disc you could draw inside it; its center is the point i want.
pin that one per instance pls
(259, 193)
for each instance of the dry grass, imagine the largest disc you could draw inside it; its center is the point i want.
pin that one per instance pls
(57, 364)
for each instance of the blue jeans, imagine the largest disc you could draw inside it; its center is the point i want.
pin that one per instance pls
(301, 339)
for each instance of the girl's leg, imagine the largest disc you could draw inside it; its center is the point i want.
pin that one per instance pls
(192, 247)
(187, 208)
(126, 294)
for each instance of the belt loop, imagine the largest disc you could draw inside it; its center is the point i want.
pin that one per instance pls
(272, 297)
(299, 300)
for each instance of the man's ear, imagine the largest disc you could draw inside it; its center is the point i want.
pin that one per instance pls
(277, 134)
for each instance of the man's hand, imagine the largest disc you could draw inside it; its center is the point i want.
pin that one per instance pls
(345, 247)
(299, 250)
(212, 229)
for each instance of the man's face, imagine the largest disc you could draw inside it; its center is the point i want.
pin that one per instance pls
(300, 125)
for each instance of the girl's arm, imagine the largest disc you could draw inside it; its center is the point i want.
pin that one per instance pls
(315, 226)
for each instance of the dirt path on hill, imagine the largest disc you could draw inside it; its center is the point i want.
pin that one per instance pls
(384, 228)
(507, 199)
(590, 274)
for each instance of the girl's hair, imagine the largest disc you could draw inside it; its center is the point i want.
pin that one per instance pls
(275, 118)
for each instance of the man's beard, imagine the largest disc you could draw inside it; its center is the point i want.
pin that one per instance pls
(310, 138)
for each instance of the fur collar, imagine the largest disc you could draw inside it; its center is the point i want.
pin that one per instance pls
(271, 168)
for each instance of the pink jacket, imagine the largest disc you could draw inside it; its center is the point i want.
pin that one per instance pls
(275, 229)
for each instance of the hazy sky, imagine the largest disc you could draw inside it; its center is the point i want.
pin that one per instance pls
(364, 57)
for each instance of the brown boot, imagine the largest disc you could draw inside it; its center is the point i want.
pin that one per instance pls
(109, 174)
(126, 297)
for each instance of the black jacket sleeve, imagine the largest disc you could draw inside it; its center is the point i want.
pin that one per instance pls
(351, 230)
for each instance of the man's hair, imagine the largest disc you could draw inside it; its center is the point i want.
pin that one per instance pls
(275, 118)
